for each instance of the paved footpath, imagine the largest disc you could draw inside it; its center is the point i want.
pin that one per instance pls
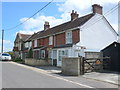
(16, 75)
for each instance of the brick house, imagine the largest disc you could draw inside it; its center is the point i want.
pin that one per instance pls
(19, 45)
(70, 39)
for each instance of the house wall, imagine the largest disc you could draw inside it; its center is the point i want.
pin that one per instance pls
(18, 48)
(75, 34)
(46, 41)
(60, 39)
(96, 35)
(41, 42)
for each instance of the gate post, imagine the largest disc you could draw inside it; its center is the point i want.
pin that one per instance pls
(81, 60)
(83, 65)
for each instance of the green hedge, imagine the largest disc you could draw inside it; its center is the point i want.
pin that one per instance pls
(18, 60)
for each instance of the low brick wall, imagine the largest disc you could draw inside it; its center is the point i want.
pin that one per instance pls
(77, 66)
(71, 66)
(35, 62)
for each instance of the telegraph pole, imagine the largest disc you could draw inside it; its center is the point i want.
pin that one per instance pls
(2, 40)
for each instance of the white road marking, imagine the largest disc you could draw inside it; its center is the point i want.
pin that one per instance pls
(46, 73)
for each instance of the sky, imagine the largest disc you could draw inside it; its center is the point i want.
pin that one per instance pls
(56, 13)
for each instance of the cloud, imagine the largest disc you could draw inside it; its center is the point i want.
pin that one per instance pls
(105, 1)
(6, 41)
(81, 6)
(37, 23)
(74, 4)
(8, 45)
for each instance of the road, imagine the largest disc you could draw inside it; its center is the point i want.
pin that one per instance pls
(21, 76)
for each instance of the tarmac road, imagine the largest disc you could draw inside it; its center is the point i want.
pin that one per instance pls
(21, 76)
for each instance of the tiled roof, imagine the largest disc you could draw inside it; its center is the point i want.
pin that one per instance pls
(62, 27)
(24, 36)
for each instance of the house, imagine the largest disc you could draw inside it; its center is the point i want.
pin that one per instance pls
(112, 51)
(86, 33)
(19, 44)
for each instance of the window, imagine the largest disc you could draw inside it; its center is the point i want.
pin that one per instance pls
(16, 44)
(29, 44)
(42, 53)
(26, 44)
(68, 37)
(4, 54)
(50, 40)
(62, 53)
(35, 43)
(36, 54)
(19, 46)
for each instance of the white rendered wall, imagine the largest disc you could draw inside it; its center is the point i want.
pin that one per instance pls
(96, 34)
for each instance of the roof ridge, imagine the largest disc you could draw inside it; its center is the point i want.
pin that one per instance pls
(62, 27)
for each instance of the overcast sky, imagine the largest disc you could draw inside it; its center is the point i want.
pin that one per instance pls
(56, 13)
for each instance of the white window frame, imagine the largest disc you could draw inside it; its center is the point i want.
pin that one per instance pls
(60, 54)
(26, 44)
(35, 43)
(20, 46)
(51, 40)
(30, 44)
(16, 44)
(69, 37)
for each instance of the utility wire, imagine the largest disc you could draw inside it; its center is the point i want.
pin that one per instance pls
(107, 13)
(30, 16)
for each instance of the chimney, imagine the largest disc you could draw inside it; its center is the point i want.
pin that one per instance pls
(74, 15)
(46, 25)
(97, 9)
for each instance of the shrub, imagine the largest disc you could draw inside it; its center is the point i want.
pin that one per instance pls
(18, 60)
(30, 54)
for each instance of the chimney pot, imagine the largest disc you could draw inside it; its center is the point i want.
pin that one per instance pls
(46, 25)
(74, 15)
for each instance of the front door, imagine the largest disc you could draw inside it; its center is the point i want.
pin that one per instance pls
(54, 59)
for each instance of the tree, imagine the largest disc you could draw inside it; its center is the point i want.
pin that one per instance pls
(11, 53)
